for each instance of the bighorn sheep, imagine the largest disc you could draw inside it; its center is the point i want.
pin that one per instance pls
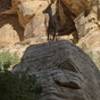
(51, 21)
(53, 25)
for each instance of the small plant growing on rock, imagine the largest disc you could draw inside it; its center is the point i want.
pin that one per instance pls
(7, 59)
(14, 88)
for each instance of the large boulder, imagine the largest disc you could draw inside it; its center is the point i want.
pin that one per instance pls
(89, 33)
(31, 17)
(8, 35)
(91, 45)
(87, 24)
(28, 9)
(36, 27)
(63, 70)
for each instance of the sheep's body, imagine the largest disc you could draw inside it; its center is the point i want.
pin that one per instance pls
(54, 29)
(51, 21)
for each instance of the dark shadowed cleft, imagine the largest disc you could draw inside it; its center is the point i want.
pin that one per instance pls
(68, 65)
(70, 84)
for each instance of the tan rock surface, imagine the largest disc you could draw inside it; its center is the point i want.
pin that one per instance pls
(89, 32)
(8, 35)
(29, 10)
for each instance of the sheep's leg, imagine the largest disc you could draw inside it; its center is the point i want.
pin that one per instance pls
(54, 36)
(47, 36)
(57, 36)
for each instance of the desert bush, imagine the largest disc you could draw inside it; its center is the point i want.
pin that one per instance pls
(14, 88)
(7, 59)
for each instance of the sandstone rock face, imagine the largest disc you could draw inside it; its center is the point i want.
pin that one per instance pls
(87, 25)
(36, 27)
(91, 45)
(89, 33)
(31, 17)
(8, 35)
(63, 71)
(30, 14)
(28, 9)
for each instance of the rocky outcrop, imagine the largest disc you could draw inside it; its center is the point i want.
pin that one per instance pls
(30, 14)
(8, 35)
(63, 70)
(89, 33)
(89, 24)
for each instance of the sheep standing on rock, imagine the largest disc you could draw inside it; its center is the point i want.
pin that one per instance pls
(51, 21)
(53, 25)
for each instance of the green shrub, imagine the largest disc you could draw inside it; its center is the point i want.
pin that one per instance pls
(7, 59)
(14, 88)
